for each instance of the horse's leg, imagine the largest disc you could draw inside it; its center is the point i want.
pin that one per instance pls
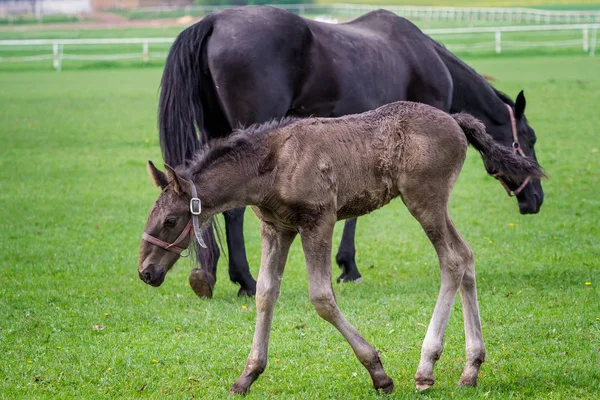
(316, 243)
(239, 270)
(474, 338)
(257, 96)
(345, 257)
(455, 257)
(275, 246)
(202, 280)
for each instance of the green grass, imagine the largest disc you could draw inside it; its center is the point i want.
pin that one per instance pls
(75, 196)
(43, 19)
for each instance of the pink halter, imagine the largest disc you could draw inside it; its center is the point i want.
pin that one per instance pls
(171, 246)
(192, 229)
(516, 149)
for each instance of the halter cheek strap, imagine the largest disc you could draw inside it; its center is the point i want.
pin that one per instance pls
(516, 149)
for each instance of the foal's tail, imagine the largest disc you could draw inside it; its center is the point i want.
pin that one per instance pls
(497, 158)
(180, 116)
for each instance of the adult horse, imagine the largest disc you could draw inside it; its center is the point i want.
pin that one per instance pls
(246, 65)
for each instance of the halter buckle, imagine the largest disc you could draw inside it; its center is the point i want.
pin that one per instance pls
(195, 206)
(516, 145)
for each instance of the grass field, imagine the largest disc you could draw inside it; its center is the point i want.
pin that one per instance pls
(76, 321)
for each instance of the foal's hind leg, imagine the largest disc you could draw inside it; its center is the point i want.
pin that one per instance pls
(474, 347)
(316, 242)
(456, 258)
(275, 247)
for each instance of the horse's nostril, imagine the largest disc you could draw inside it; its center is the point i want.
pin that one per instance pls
(145, 276)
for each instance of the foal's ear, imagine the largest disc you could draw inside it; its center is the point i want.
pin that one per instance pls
(158, 177)
(520, 105)
(180, 185)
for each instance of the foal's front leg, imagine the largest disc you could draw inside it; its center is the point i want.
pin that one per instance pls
(275, 247)
(316, 242)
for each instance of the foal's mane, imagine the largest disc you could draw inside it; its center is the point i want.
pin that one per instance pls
(237, 145)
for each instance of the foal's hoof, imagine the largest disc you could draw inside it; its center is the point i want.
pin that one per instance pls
(424, 384)
(202, 283)
(238, 389)
(467, 382)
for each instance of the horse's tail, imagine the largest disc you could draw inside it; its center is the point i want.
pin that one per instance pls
(497, 158)
(180, 116)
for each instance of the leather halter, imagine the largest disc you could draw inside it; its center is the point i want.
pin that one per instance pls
(516, 149)
(195, 210)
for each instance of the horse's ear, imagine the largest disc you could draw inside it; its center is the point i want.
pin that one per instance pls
(520, 105)
(179, 184)
(158, 177)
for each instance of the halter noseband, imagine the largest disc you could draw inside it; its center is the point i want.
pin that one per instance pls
(195, 210)
(516, 149)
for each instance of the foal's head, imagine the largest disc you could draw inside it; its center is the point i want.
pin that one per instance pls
(169, 229)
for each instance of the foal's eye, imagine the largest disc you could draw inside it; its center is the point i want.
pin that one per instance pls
(170, 222)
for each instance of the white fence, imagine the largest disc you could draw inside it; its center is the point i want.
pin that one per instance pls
(465, 14)
(587, 41)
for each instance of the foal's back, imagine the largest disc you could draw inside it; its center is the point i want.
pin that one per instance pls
(358, 163)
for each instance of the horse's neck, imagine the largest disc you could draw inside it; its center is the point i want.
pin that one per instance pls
(472, 93)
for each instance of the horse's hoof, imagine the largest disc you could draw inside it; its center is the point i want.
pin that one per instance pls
(202, 283)
(246, 292)
(387, 386)
(351, 277)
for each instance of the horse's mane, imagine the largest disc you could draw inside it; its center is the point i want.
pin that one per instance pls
(504, 97)
(236, 145)
(450, 56)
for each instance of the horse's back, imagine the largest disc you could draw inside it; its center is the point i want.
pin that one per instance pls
(314, 68)
(381, 58)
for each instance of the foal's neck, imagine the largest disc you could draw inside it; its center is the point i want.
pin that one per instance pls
(225, 185)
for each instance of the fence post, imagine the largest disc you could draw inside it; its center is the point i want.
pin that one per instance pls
(498, 42)
(593, 41)
(55, 60)
(586, 40)
(145, 55)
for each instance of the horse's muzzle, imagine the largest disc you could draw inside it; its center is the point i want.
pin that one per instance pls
(153, 275)
(530, 205)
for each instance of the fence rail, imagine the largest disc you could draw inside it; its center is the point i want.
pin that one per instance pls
(587, 42)
(471, 14)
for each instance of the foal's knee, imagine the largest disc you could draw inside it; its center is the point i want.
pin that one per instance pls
(324, 304)
(266, 296)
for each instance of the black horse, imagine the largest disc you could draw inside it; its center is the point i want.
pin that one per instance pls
(247, 65)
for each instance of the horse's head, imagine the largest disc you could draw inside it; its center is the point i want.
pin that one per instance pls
(530, 195)
(169, 229)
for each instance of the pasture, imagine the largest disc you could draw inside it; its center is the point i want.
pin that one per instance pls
(76, 321)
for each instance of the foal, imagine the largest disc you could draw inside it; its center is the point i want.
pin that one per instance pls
(300, 177)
